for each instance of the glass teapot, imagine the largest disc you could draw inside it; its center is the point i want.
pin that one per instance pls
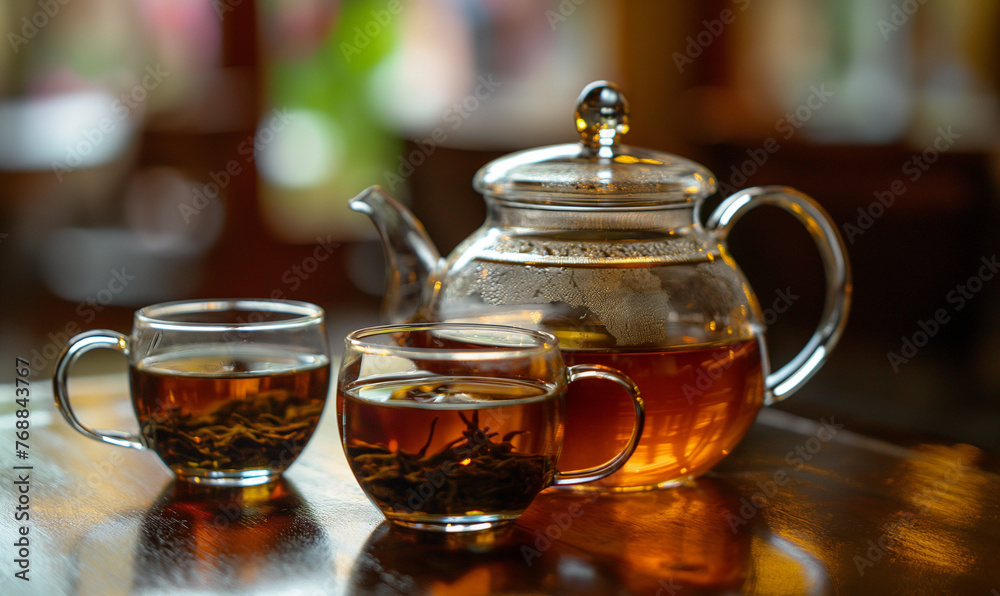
(601, 244)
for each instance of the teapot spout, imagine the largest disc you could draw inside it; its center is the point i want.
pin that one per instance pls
(413, 263)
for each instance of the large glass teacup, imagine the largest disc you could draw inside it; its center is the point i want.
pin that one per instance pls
(457, 427)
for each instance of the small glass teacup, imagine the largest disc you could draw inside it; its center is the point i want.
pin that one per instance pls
(457, 427)
(226, 392)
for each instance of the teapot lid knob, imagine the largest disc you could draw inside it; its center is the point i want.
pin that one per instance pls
(601, 115)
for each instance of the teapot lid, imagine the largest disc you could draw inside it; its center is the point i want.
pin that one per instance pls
(598, 171)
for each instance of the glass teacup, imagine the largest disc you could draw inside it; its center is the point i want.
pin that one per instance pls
(457, 427)
(226, 392)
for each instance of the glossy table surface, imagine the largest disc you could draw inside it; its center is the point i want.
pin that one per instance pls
(801, 507)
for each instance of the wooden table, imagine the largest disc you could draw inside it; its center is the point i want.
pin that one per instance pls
(800, 507)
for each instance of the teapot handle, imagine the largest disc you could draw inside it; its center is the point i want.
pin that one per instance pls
(790, 377)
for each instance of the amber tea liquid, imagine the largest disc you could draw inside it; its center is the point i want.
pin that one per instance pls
(211, 412)
(699, 400)
(428, 447)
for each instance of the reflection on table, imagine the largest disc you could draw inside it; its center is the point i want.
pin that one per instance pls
(796, 509)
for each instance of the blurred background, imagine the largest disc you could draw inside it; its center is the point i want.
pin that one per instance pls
(154, 150)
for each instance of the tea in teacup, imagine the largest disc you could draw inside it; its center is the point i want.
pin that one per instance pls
(434, 447)
(226, 392)
(215, 411)
(457, 427)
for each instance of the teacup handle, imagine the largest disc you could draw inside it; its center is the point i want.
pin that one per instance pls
(596, 371)
(78, 346)
(790, 377)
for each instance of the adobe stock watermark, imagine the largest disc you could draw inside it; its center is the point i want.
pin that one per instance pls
(913, 169)
(292, 278)
(35, 22)
(363, 36)
(880, 546)
(898, 17)
(296, 274)
(797, 457)
(86, 309)
(959, 297)
(202, 195)
(709, 374)
(100, 472)
(565, 9)
(560, 523)
(711, 30)
(787, 126)
(668, 587)
(455, 115)
(122, 108)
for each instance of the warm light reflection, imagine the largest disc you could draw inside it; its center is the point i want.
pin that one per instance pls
(939, 496)
(685, 536)
(631, 159)
(680, 535)
(477, 581)
(783, 566)
(255, 530)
